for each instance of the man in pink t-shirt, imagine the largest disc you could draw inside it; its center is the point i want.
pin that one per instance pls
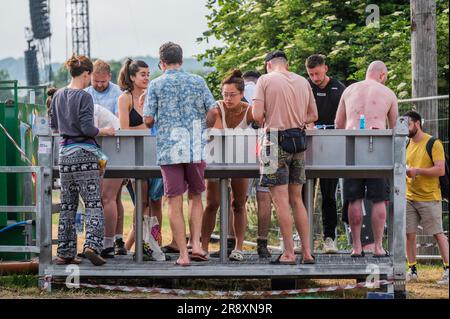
(284, 101)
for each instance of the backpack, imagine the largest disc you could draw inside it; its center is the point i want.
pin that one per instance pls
(443, 180)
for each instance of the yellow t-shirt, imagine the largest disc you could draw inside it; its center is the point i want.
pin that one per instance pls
(423, 188)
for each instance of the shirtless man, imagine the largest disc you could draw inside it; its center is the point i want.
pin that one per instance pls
(379, 105)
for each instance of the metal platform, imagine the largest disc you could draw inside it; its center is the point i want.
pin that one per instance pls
(331, 154)
(327, 266)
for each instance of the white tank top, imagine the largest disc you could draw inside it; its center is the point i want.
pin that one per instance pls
(243, 125)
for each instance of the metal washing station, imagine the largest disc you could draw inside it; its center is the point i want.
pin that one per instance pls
(330, 154)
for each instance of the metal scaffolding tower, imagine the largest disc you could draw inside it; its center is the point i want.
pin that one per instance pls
(38, 54)
(80, 27)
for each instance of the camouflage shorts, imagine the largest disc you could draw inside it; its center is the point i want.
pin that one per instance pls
(286, 169)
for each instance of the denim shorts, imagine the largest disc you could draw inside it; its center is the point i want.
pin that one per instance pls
(155, 189)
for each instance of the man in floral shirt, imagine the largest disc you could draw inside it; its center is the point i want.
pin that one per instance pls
(180, 104)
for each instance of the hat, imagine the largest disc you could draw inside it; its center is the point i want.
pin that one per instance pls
(275, 54)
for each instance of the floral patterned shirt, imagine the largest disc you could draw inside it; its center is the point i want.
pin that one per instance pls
(179, 102)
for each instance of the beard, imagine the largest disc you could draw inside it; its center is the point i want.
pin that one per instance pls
(412, 132)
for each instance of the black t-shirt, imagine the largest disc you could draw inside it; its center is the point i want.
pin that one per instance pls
(327, 100)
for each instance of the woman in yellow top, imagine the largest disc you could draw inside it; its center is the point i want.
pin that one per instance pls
(231, 113)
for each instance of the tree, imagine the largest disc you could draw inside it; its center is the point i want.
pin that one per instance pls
(336, 28)
(61, 77)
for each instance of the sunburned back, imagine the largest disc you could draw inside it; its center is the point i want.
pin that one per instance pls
(370, 98)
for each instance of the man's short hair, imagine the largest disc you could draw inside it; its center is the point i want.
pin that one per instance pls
(171, 53)
(315, 60)
(251, 74)
(414, 116)
(101, 66)
(274, 55)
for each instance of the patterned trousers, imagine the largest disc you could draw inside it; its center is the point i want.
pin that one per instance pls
(79, 173)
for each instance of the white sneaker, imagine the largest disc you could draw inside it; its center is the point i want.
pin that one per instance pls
(329, 246)
(411, 276)
(444, 279)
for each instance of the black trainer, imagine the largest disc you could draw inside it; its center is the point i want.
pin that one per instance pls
(107, 252)
(263, 251)
(119, 247)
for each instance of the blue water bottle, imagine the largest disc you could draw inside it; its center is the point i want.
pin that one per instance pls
(362, 122)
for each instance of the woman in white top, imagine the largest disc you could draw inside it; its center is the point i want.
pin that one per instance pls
(231, 113)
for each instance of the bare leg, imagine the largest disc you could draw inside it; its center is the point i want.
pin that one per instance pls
(300, 218)
(442, 241)
(120, 212)
(411, 247)
(156, 210)
(355, 217)
(195, 222)
(110, 188)
(264, 202)
(209, 215)
(280, 196)
(239, 188)
(178, 227)
(131, 236)
(378, 222)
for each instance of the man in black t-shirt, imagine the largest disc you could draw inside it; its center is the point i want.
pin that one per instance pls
(327, 92)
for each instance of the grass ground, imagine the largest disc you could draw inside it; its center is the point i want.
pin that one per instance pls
(24, 286)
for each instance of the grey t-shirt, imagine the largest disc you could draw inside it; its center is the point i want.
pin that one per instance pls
(73, 113)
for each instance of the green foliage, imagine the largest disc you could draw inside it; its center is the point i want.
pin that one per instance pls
(337, 28)
(61, 77)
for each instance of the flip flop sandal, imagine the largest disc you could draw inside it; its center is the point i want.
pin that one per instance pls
(93, 257)
(236, 255)
(199, 257)
(386, 254)
(277, 261)
(309, 261)
(67, 261)
(361, 255)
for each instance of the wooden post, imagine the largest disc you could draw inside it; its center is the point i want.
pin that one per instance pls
(424, 60)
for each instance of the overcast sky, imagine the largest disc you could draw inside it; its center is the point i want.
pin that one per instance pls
(119, 28)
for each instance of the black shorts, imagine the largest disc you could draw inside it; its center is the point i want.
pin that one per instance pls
(376, 190)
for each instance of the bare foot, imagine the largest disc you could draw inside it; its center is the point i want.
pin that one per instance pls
(286, 258)
(182, 262)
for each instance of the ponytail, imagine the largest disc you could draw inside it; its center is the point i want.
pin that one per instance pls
(130, 68)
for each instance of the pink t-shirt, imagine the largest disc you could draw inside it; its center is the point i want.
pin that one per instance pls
(287, 98)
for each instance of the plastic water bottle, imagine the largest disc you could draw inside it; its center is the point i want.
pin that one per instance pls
(362, 122)
(79, 222)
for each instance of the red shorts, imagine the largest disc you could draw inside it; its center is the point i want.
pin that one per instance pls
(179, 178)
